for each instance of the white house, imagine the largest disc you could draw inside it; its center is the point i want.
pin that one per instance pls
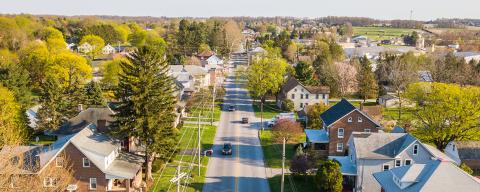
(468, 56)
(85, 48)
(108, 49)
(201, 77)
(301, 95)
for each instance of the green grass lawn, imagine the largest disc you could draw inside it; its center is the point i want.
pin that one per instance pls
(196, 183)
(270, 110)
(43, 140)
(380, 33)
(301, 183)
(392, 113)
(272, 151)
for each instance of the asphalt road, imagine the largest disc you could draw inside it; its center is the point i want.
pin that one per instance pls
(244, 170)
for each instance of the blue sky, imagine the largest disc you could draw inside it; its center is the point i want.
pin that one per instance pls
(380, 9)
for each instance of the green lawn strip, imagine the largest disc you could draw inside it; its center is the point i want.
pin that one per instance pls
(43, 140)
(392, 113)
(272, 151)
(206, 115)
(270, 110)
(196, 184)
(301, 183)
(380, 33)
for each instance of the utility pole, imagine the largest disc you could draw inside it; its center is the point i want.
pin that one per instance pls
(178, 177)
(283, 167)
(199, 140)
(213, 104)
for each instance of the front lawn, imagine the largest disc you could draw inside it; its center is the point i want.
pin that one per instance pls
(392, 114)
(270, 109)
(300, 183)
(272, 151)
(42, 139)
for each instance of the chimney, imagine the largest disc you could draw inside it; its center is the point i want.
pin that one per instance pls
(80, 107)
(407, 127)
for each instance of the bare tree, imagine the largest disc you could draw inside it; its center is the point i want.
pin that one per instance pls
(233, 35)
(347, 80)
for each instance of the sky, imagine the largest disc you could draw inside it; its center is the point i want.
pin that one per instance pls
(378, 9)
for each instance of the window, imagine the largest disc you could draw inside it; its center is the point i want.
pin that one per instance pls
(386, 167)
(306, 96)
(86, 162)
(350, 119)
(49, 182)
(339, 147)
(301, 105)
(93, 183)
(293, 96)
(340, 132)
(367, 130)
(415, 149)
(453, 146)
(316, 97)
(398, 162)
(59, 162)
(360, 119)
(295, 90)
(306, 104)
(302, 90)
(323, 96)
(301, 96)
(408, 161)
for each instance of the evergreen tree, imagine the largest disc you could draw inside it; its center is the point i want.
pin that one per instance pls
(304, 73)
(367, 84)
(93, 94)
(16, 78)
(146, 105)
(49, 115)
(73, 97)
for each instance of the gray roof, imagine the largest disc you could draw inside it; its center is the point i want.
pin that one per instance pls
(194, 70)
(466, 54)
(85, 117)
(375, 51)
(468, 149)
(380, 145)
(435, 176)
(316, 136)
(398, 129)
(337, 111)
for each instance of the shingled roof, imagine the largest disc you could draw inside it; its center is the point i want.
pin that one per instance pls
(468, 149)
(337, 111)
(381, 145)
(292, 83)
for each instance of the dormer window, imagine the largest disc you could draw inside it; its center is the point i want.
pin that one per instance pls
(415, 149)
(360, 119)
(350, 119)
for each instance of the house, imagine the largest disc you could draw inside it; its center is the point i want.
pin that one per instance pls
(201, 76)
(390, 100)
(369, 153)
(433, 176)
(467, 152)
(468, 56)
(340, 121)
(85, 48)
(187, 82)
(32, 115)
(301, 95)
(101, 117)
(96, 160)
(108, 49)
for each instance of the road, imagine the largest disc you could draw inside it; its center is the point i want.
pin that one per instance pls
(244, 170)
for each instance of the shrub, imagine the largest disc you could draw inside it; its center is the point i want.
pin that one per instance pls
(288, 129)
(299, 165)
(288, 105)
(466, 168)
(329, 177)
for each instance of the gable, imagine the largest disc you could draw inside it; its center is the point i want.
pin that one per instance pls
(355, 114)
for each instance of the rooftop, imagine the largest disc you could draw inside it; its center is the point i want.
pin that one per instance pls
(337, 111)
(316, 135)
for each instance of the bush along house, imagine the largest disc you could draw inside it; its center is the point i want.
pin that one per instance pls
(339, 122)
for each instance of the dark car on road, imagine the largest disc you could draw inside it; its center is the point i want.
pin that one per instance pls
(244, 120)
(227, 149)
(232, 108)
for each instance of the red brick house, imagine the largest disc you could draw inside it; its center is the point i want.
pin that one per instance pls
(96, 160)
(339, 121)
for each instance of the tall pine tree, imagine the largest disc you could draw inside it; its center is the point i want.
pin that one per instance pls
(49, 114)
(93, 94)
(146, 105)
(367, 85)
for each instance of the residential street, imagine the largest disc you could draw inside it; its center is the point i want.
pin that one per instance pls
(244, 170)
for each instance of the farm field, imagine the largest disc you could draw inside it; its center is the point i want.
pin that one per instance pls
(380, 33)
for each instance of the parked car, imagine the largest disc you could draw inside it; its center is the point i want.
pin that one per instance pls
(232, 108)
(244, 120)
(273, 121)
(227, 149)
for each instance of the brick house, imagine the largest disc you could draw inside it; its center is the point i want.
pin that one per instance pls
(339, 121)
(96, 160)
